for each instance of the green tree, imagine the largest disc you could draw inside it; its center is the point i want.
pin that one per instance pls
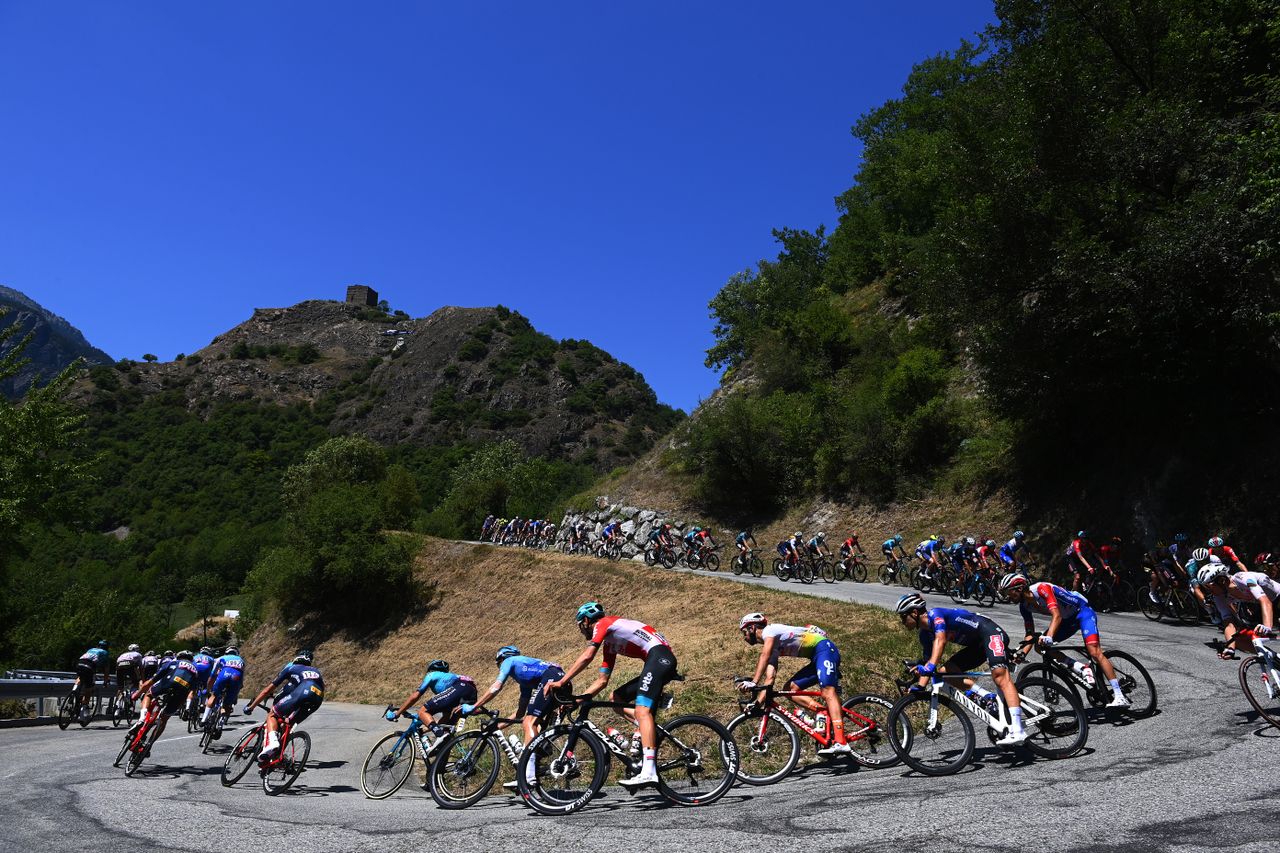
(203, 592)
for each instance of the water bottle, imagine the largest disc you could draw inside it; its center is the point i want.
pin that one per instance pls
(1085, 671)
(808, 721)
(514, 740)
(617, 737)
(820, 722)
(636, 744)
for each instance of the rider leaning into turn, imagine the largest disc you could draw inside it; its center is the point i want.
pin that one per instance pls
(92, 662)
(224, 685)
(632, 639)
(823, 669)
(169, 688)
(450, 692)
(301, 694)
(1081, 556)
(1241, 586)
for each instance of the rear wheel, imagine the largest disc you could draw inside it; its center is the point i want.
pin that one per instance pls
(886, 574)
(933, 744)
(280, 777)
(780, 569)
(564, 781)
(805, 572)
(128, 740)
(1152, 608)
(242, 756)
(697, 760)
(739, 564)
(1254, 680)
(668, 559)
(768, 747)
(465, 769)
(866, 725)
(387, 766)
(134, 761)
(1065, 729)
(1185, 607)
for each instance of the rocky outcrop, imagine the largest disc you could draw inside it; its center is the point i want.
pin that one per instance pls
(55, 343)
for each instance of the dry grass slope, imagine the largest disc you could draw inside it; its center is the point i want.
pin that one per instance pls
(484, 597)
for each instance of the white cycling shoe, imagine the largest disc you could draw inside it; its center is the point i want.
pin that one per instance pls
(836, 749)
(640, 780)
(1119, 701)
(1013, 738)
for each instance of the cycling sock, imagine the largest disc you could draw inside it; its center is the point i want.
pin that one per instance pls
(273, 741)
(1115, 686)
(649, 766)
(979, 693)
(838, 730)
(1016, 715)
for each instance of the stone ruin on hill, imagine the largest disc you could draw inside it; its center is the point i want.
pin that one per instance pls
(359, 294)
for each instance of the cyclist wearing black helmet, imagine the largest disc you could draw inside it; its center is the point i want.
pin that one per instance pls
(530, 675)
(301, 694)
(1081, 556)
(450, 692)
(92, 662)
(170, 686)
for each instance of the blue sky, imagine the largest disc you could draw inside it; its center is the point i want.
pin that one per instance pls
(603, 168)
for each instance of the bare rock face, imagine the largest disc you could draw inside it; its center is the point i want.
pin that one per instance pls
(461, 374)
(54, 344)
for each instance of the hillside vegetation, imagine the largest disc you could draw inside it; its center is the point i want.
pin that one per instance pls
(475, 599)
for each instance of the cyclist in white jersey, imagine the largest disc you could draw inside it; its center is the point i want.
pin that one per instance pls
(129, 668)
(1242, 586)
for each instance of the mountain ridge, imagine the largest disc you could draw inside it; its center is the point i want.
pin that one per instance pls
(55, 342)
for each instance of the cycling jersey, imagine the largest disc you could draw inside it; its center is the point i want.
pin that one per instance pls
(977, 634)
(129, 660)
(653, 535)
(985, 554)
(1009, 550)
(1244, 586)
(437, 682)
(742, 538)
(849, 544)
(295, 674)
(888, 545)
(302, 694)
(96, 658)
(926, 548)
(204, 665)
(815, 544)
(524, 670)
(1081, 549)
(227, 676)
(625, 637)
(149, 664)
(175, 677)
(1072, 607)
(792, 642)
(1225, 554)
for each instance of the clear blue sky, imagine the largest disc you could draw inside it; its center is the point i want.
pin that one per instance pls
(167, 167)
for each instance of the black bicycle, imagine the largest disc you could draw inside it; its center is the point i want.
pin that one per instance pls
(1071, 667)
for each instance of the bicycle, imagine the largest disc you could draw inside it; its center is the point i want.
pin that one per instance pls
(1173, 599)
(122, 710)
(973, 586)
(1263, 688)
(697, 760)
(290, 761)
(895, 571)
(386, 769)
(852, 568)
(750, 563)
(939, 580)
(785, 570)
(211, 729)
(70, 710)
(1083, 677)
(931, 731)
(773, 747)
(191, 711)
(705, 558)
(137, 744)
(469, 762)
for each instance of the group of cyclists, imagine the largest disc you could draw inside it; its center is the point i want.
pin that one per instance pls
(525, 532)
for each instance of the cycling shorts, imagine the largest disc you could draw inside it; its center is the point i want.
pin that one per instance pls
(646, 688)
(823, 670)
(227, 687)
(993, 648)
(540, 700)
(169, 697)
(300, 702)
(1085, 621)
(87, 673)
(461, 691)
(127, 676)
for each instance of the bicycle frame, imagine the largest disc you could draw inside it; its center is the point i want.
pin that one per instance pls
(1032, 711)
(1271, 661)
(824, 737)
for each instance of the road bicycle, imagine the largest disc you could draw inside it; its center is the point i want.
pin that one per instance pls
(785, 570)
(1260, 676)
(1072, 668)
(749, 563)
(211, 729)
(138, 742)
(704, 557)
(1171, 600)
(852, 568)
(469, 761)
(768, 734)
(931, 731)
(973, 585)
(70, 711)
(697, 760)
(939, 578)
(279, 772)
(391, 760)
(191, 711)
(122, 708)
(895, 571)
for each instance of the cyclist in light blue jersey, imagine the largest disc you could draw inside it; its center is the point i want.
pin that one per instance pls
(531, 675)
(450, 691)
(1008, 552)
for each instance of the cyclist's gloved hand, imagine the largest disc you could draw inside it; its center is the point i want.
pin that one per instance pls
(1262, 631)
(746, 685)
(927, 669)
(466, 709)
(248, 709)
(1046, 642)
(392, 715)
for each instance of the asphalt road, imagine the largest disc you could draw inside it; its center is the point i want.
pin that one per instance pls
(1197, 776)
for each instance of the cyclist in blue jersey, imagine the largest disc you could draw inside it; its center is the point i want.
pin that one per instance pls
(1068, 612)
(979, 639)
(224, 686)
(531, 675)
(1008, 552)
(610, 531)
(301, 693)
(929, 553)
(203, 661)
(92, 662)
(169, 688)
(450, 692)
(817, 546)
(892, 548)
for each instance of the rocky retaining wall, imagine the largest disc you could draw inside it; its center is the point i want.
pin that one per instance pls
(637, 523)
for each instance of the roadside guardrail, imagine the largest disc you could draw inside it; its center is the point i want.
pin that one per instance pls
(41, 690)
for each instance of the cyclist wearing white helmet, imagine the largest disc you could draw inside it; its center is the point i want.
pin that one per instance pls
(823, 668)
(789, 549)
(817, 546)
(633, 639)
(129, 668)
(1241, 586)
(928, 553)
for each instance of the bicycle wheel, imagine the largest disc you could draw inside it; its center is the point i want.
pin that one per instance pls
(739, 564)
(935, 745)
(1101, 594)
(563, 781)
(387, 766)
(824, 569)
(866, 725)
(206, 737)
(67, 710)
(768, 747)
(1258, 687)
(128, 739)
(805, 572)
(1064, 731)
(668, 559)
(984, 593)
(242, 756)
(886, 574)
(697, 760)
(757, 567)
(117, 712)
(464, 770)
(650, 557)
(1185, 607)
(858, 571)
(279, 777)
(780, 569)
(903, 575)
(1152, 608)
(711, 563)
(1135, 683)
(134, 761)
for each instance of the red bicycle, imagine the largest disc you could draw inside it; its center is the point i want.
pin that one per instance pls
(281, 770)
(768, 734)
(138, 742)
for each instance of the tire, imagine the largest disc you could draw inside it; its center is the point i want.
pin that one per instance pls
(650, 557)
(886, 574)
(242, 756)
(1252, 670)
(1044, 672)
(1153, 610)
(738, 565)
(1065, 731)
(805, 572)
(206, 738)
(941, 753)
(780, 570)
(67, 711)
(768, 756)
(859, 573)
(697, 760)
(384, 773)
(870, 742)
(1136, 683)
(826, 571)
(1185, 607)
(562, 785)
(465, 768)
(711, 562)
(1101, 593)
(757, 567)
(281, 776)
(916, 582)
(134, 760)
(668, 559)
(128, 739)
(984, 593)
(117, 712)
(955, 589)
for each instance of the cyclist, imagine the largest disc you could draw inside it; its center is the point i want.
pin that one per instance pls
(148, 665)
(1068, 612)
(204, 665)
(531, 675)
(892, 549)
(224, 686)
(450, 692)
(928, 553)
(487, 527)
(166, 656)
(979, 638)
(1008, 552)
(689, 538)
(823, 668)
(1242, 586)
(849, 545)
(988, 556)
(1081, 555)
(92, 662)
(1199, 559)
(745, 542)
(129, 668)
(169, 687)
(817, 546)
(302, 692)
(703, 541)
(1225, 554)
(632, 639)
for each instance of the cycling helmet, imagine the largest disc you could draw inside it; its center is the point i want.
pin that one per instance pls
(1211, 573)
(1179, 538)
(822, 537)
(935, 538)
(168, 653)
(303, 656)
(969, 540)
(1200, 555)
(1011, 582)
(990, 543)
(231, 650)
(134, 647)
(897, 538)
(505, 652)
(150, 653)
(1262, 559)
(799, 534)
(752, 619)
(102, 644)
(1215, 542)
(1082, 534)
(942, 540)
(589, 612)
(185, 655)
(438, 665)
(1019, 535)
(206, 650)
(911, 601)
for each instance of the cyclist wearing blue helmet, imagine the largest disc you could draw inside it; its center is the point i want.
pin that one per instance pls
(450, 690)
(888, 546)
(531, 674)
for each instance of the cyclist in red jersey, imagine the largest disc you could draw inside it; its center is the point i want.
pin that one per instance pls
(847, 546)
(632, 639)
(1081, 557)
(1223, 551)
(987, 558)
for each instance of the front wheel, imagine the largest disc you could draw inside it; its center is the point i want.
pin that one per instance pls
(805, 572)
(67, 711)
(1135, 683)
(387, 766)
(242, 756)
(564, 780)
(464, 770)
(293, 760)
(768, 747)
(935, 742)
(826, 571)
(697, 760)
(757, 567)
(711, 562)
(857, 570)
(866, 725)
(1259, 688)
(1063, 729)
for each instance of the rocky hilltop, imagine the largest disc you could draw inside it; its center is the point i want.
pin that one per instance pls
(54, 345)
(460, 374)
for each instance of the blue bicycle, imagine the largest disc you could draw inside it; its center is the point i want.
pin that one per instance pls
(392, 758)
